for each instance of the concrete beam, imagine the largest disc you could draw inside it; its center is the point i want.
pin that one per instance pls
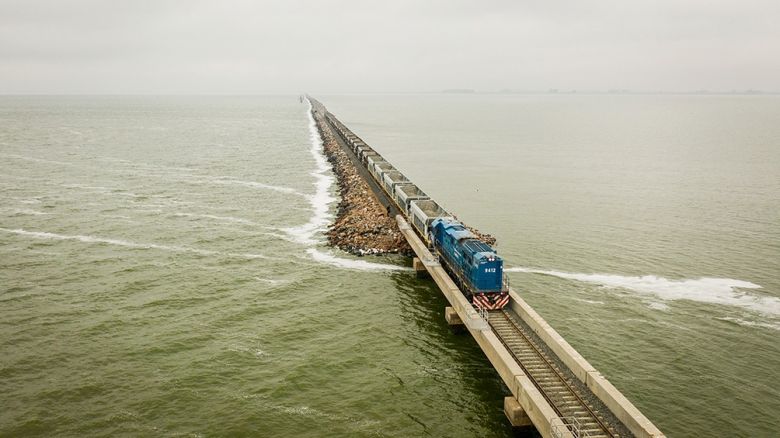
(568, 355)
(530, 399)
(613, 399)
(626, 412)
(526, 395)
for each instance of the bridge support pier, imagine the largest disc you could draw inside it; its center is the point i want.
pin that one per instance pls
(451, 315)
(419, 268)
(515, 413)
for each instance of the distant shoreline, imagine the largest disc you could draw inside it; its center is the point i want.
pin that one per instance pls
(405, 93)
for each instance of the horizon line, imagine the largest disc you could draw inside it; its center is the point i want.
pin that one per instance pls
(459, 91)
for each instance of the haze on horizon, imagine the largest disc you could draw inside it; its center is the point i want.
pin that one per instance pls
(351, 46)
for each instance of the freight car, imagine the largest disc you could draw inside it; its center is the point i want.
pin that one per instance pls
(405, 194)
(380, 167)
(422, 213)
(372, 155)
(391, 179)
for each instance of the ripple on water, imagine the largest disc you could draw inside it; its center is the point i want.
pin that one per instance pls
(176, 282)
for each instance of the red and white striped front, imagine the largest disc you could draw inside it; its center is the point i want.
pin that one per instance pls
(491, 301)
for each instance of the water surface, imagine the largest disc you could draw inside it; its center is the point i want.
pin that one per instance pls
(163, 272)
(645, 229)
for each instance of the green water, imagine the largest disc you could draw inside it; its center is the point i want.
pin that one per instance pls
(162, 270)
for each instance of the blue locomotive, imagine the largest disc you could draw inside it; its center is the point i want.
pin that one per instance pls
(475, 265)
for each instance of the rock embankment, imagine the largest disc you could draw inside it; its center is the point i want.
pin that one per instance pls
(362, 225)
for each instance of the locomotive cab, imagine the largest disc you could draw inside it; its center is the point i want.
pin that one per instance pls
(476, 267)
(488, 271)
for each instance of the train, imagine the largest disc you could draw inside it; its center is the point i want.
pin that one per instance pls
(474, 265)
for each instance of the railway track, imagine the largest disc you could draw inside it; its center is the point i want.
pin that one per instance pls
(579, 416)
(567, 406)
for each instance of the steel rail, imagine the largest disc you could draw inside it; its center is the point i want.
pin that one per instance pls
(550, 368)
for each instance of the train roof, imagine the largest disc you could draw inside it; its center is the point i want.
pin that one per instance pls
(478, 246)
(456, 229)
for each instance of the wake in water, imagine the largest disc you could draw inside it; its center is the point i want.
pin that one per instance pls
(360, 265)
(230, 219)
(253, 184)
(24, 212)
(321, 200)
(724, 291)
(36, 160)
(127, 244)
(178, 173)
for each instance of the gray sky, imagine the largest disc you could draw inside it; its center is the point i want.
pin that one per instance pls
(242, 46)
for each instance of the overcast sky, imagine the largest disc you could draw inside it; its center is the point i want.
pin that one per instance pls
(243, 46)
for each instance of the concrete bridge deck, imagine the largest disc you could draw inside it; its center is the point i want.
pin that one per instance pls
(553, 387)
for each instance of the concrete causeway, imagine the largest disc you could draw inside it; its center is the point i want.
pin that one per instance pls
(553, 388)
